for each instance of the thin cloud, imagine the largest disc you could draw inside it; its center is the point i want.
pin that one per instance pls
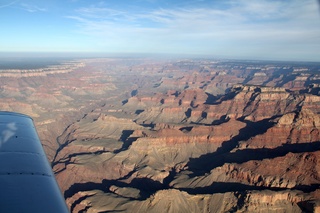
(27, 7)
(8, 5)
(241, 15)
(32, 8)
(238, 25)
(100, 13)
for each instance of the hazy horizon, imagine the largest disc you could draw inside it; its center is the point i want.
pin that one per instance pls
(63, 56)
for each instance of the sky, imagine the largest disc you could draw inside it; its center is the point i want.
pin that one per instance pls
(234, 29)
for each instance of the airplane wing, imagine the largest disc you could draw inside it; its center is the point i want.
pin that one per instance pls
(27, 183)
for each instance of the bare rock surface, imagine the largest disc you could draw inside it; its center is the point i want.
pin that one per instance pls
(141, 135)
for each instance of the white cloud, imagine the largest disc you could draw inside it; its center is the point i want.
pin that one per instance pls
(31, 8)
(240, 24)
(8, 4)
(24, 6)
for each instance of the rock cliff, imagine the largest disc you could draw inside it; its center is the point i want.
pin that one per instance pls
(140, 135)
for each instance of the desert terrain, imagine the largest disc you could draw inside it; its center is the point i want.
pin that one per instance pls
(187, 135)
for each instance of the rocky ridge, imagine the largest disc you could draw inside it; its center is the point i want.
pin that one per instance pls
(186, 136)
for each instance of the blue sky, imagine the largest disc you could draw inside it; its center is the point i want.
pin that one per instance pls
(242, 29)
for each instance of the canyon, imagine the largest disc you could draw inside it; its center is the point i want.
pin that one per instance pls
(191, 135)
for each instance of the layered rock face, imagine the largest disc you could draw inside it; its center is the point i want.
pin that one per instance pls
(134, 135)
